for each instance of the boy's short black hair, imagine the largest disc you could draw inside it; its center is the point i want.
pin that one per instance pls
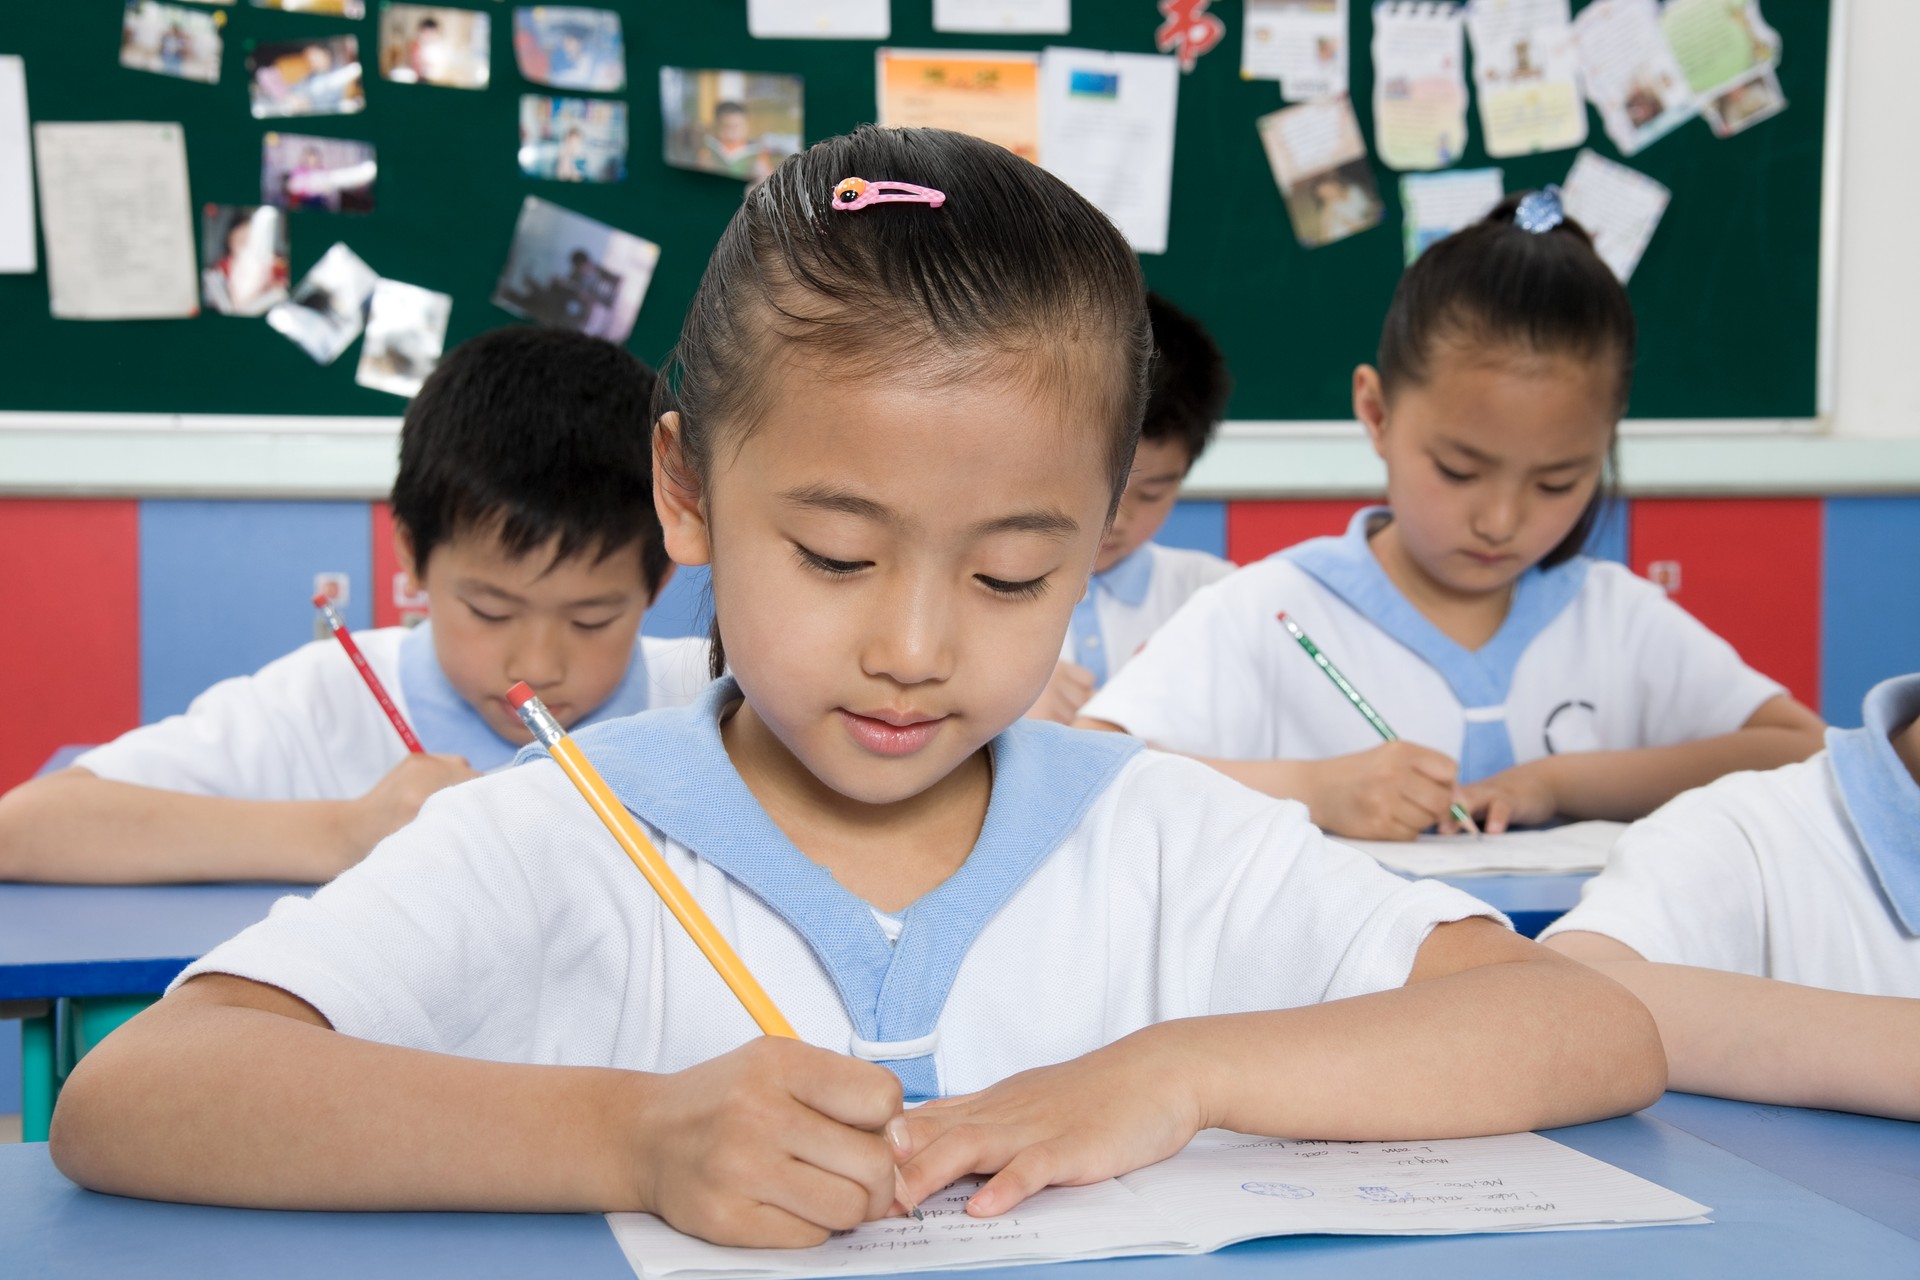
(533, 435)
(1189, 384)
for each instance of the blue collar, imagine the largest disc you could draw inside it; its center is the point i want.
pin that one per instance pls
(671, 769)
(1480, 678)
(1129, 579)
(1882, 798)
(446, 723)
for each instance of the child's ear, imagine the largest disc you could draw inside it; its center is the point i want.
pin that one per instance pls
(1370, 405)
(677, 497)
(409, 562)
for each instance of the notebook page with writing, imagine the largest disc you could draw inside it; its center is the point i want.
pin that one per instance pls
(1222, 1189)
(1227, 1187)
(1568, 850)
(1101, 1221)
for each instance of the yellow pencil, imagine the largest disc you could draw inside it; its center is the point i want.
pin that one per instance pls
(627, 833)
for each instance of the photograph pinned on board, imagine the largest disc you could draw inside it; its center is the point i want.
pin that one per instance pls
(327, 310)
(1319, 160)
(429, 44)
(324, 8)
(567, 271)
(406, 334)
(568, 48)
(1736, 107)
(170, 40)
(325, 175)
(738, 123)
(573, 139)
(306, 78)
(243, 258)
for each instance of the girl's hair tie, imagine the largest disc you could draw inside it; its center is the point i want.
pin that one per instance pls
(858, 193)
(1540, 211)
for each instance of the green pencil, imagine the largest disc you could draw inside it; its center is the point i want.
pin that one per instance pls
(1360, 703)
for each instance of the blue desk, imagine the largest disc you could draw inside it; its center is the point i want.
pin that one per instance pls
(62, 943)
(1765, 1225)
(1531, 902)
(1868, 1164)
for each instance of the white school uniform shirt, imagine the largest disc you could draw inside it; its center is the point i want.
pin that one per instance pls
(1126, 604)
(1809, 874)
(305, 726)
(1111, 887)
(1590, 658)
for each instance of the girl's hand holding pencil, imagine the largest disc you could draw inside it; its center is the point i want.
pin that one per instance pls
(808, 1133)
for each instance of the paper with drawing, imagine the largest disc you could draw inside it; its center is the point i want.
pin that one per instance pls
(1567, 850)
(1224, 1188)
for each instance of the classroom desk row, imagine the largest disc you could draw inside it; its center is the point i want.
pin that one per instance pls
(1792, 1194)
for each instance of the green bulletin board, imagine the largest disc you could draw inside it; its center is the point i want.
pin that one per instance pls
(1727, 294)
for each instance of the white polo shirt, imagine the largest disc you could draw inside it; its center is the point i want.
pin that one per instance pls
(305, 727)
(1128, 603)
(1808, 874)
(1111, 887)
(1590, 658)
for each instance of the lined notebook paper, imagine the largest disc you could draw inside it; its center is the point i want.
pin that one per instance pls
(1224, 1188)
(1568, 850)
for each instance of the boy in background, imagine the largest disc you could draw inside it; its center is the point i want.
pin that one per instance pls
(1137, 584)
(523, 508)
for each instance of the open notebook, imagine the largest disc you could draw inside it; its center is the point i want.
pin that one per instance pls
(1224, 1188)
(1567, 850)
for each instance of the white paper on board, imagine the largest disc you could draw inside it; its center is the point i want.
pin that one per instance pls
(1620, 208)
(1031, 17)
(1435, 205)
(117, 221)
(819, 19)
(1526, 73)
(1630, 72)
(1106, 129)
(1419, 84)
(1300, 43)
(17, 253)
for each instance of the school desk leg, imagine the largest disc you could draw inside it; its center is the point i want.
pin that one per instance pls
(91, 1020)
(39, 1080)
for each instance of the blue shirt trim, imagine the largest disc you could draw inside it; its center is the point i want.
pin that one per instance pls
(1127, 581)
(1480, 678)
(1881, 797)
(447, 723)
(671, 769)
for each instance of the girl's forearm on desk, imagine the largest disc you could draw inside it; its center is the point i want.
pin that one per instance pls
(1531, 1042)
(219, 1095)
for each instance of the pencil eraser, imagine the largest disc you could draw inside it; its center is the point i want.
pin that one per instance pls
(320, 600)
(1280, 616)
(520, 695)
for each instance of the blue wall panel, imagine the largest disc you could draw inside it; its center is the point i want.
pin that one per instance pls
(1608, 541)
(685, 608)
(10, 1067)
(1198, 526)
(1870, 607)
(226, 587)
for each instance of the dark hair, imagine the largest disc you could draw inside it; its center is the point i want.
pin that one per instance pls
(1188, 387)
(728, 105)
(533, 435)
(1014, 264)
(1493, 285)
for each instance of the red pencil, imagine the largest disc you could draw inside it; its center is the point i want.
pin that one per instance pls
(339, 628)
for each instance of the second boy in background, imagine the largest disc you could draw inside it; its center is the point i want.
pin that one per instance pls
(1137, 583)
(523, 508)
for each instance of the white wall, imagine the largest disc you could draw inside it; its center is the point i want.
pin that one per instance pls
(1876, 333)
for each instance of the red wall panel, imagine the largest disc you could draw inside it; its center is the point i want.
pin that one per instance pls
(70, 576)
(391, 606)
(1747, 567)
(1256, 530)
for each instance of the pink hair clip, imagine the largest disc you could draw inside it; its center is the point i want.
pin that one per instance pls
(858, 193)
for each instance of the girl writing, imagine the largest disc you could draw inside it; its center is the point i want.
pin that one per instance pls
(901, 430)
(1527, 680)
